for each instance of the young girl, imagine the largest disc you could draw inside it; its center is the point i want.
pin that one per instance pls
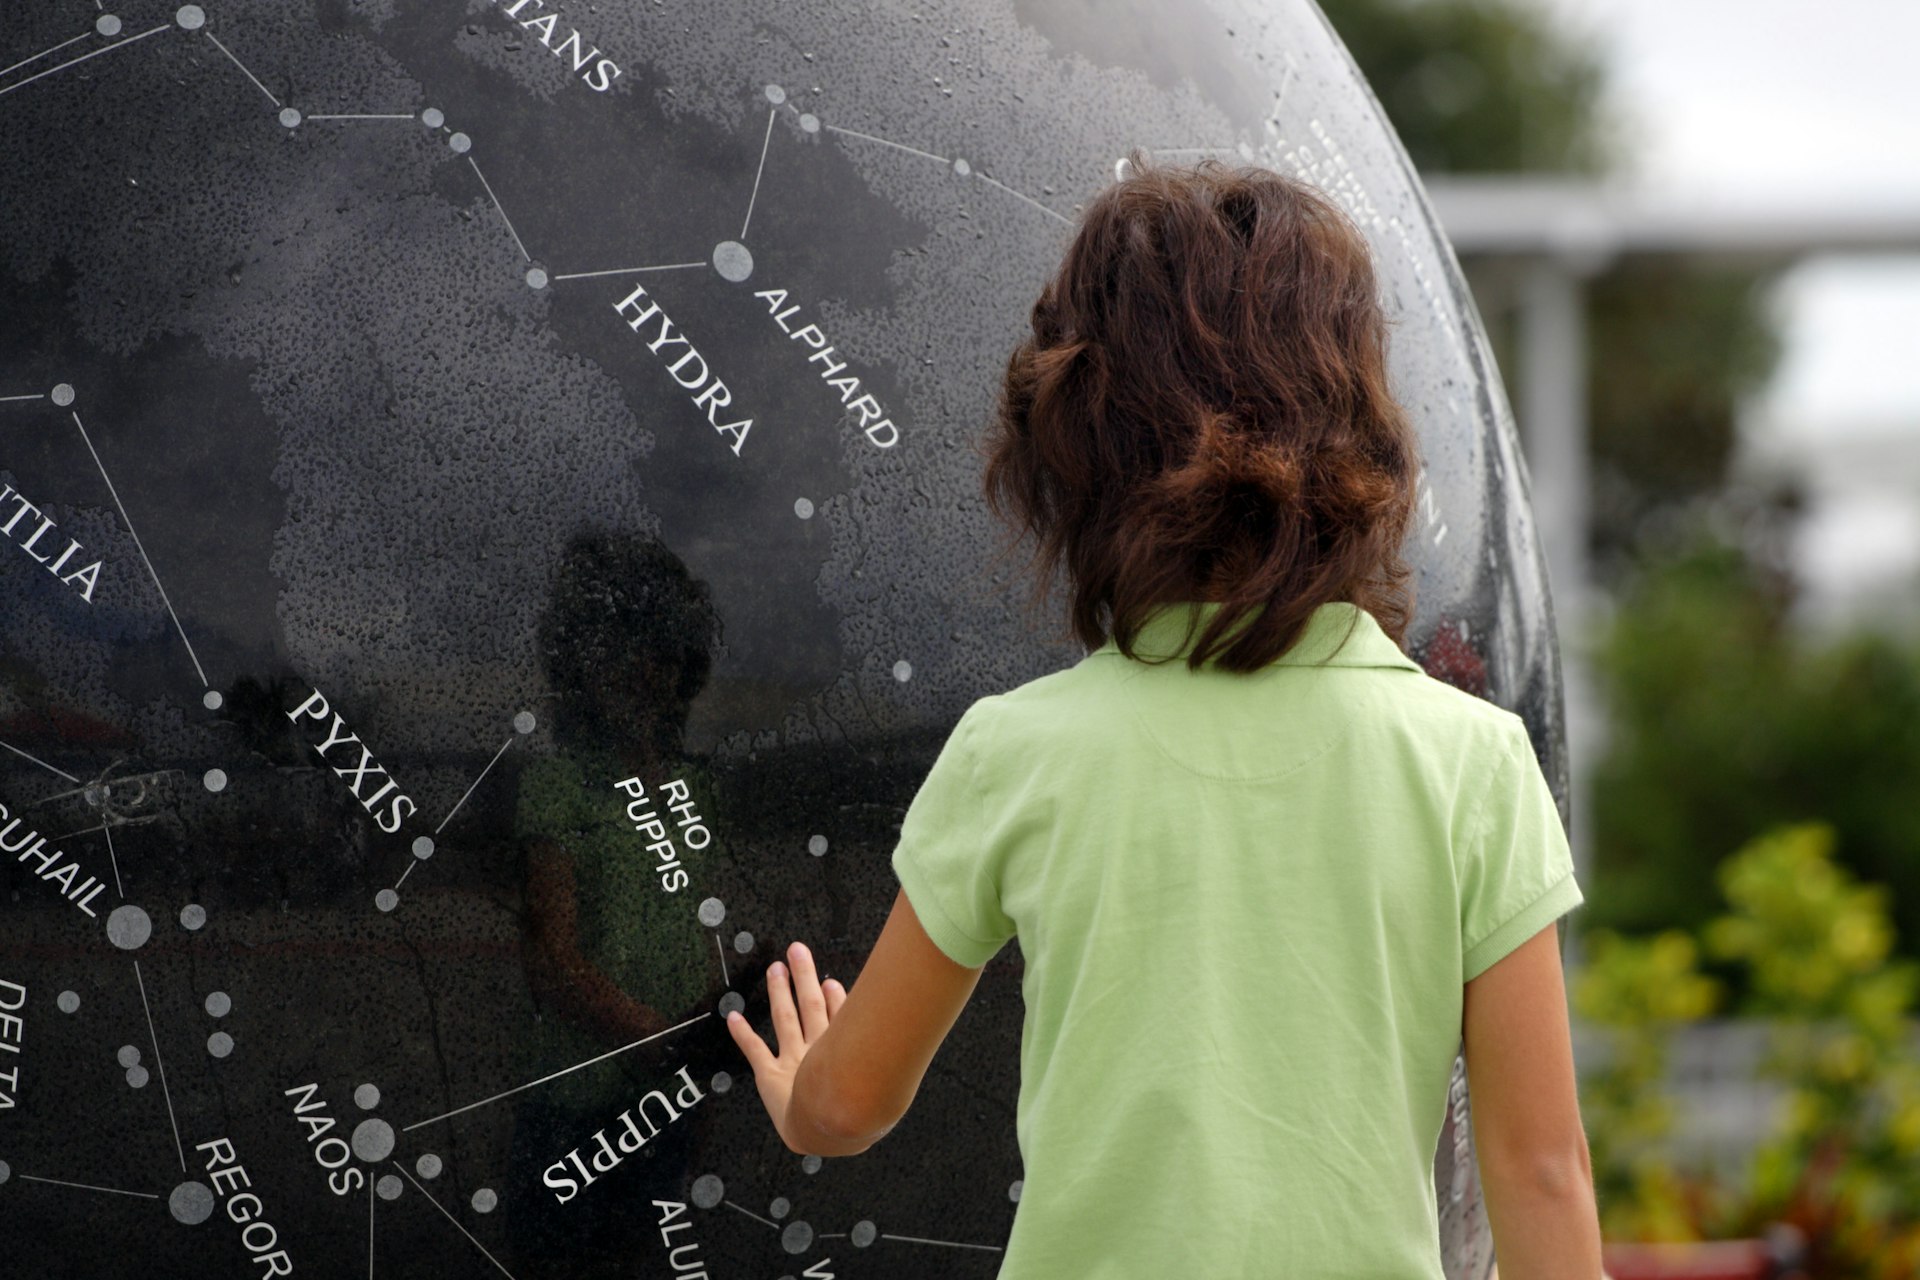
(1265, 872)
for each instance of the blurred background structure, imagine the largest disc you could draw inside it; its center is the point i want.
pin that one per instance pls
(1694, 234)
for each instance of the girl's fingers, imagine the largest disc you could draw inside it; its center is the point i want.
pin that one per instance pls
(759, 1057)
(786, 1020)
(836, 996)
(806, 982)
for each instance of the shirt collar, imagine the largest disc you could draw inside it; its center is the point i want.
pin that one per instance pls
(1165, 634)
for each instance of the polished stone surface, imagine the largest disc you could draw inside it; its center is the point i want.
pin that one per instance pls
(393, 363)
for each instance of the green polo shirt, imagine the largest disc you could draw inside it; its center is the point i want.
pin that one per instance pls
(1247, 905)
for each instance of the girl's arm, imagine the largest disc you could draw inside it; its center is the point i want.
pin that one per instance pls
(849, 1062)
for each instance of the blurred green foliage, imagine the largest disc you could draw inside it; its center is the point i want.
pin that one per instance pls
(1723, 724)
(1813, 946)
(1475, 86)
(1674, 346)
(1638, 989)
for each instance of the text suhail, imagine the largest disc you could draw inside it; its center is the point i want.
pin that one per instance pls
(873, 419)
(55, 866)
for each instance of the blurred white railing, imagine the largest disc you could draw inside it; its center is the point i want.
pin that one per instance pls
(1722, 1108)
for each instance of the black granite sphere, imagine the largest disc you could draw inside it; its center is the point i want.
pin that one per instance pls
(492, 540)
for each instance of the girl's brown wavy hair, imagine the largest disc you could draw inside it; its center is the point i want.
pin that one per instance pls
(1202, 413)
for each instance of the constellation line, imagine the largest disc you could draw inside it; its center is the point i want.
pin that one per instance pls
(1051, 213)
(455, 1221)
(496, 204)
(243, 69)
(88, 1186)
(724, 977)
(627, 271)
(556, 1075)
(42, 763)
(411, 864)
(35, 58)
(950, 1244)
(82, 58)
(159, 1062)
(888, 142)
(764, 143)
(476, 782)
(885, 142)
(106, 831)
(142, 547)
(3, 399)
(751, 1214)
(356, 117)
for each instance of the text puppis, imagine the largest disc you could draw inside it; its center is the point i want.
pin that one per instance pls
(603, 1155)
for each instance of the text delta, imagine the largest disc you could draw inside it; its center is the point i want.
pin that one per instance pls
(13, 998)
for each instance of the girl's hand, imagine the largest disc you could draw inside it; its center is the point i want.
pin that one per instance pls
(801, 1011)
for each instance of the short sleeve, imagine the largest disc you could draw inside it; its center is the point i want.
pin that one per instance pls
(947, 859)
(1516, 872)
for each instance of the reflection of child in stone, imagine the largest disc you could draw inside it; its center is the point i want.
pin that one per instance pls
(1265, 871)
(627, 642)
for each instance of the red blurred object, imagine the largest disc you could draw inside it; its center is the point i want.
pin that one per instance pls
(1451, 657)
(1715, 1260)
(63, 726)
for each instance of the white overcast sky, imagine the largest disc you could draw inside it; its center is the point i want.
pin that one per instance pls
(1795, 104)
(1766, 97)
(1792, 103)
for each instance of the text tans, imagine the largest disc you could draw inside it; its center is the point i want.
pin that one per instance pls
(599, 73)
